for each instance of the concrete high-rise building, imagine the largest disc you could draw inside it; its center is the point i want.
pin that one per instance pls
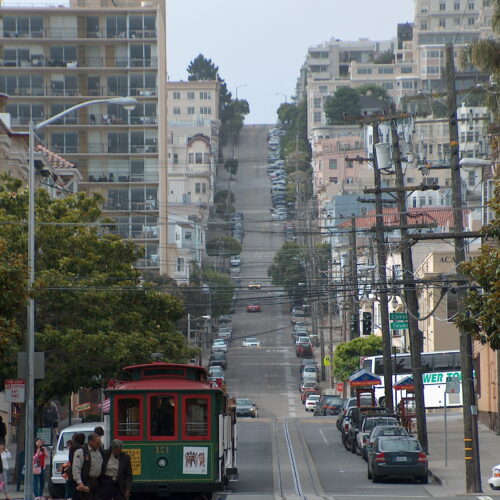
(52, 58)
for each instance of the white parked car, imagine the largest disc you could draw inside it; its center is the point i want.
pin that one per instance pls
(251, 342)
(219, 345)
(235, 261)
(311, 402)
(494, 480)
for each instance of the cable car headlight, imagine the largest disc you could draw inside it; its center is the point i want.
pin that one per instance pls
(162, 462)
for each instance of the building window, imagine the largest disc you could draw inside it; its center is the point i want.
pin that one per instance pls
(471, 21)
(177, 111)
(388, 85)
(176, 158)
(332, 164)
(456, 5)
(198, 157)
(334, 180)
(442, 23)
(385, 71)
(197, 188)
(204, 188)
(204, 110)
(423, 26)
(191, 157)
(176, 95)
(323, 89)
(410, 180)
(205, 95)
(317, 117)
(350, 164)
(317, 102)
(206, 157)
(364, 71)
(180, 265)
(471, 6)
(188, 236)
(190, 110)
(408, 85)
(472, 179)
(191, 95)
(406, 69)
(442, 5)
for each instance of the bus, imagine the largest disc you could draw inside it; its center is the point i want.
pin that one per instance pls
(437, 367)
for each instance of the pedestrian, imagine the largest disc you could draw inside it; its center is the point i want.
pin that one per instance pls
(3, 431)
(117, 477)
(77, 441)
(40, 455)
(87, 469)
(4, 470)
(100, 431)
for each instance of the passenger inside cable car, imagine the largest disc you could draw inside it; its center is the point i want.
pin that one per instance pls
(162, 416)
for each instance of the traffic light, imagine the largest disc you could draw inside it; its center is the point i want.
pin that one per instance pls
(367, 323)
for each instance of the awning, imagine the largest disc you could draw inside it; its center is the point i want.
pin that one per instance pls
(363, 378)
(407, 384)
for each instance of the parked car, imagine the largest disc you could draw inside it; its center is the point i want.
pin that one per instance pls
(219, 345)
(215, 371)
(382, 430)
(328, 405)
(308, 392)
(310, 372)
(225, 318)
(246, 408)
(307, 362)
(217, 359)
(494, 480)
(308, 385)
(311, 402)
(367, 425)
(348, 403)
(397, 457)
(254, 284)
(355, 421)
(251, 342)
(253, 308)
(304, 350)
(235, 261)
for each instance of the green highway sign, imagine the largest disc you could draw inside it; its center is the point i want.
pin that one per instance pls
(399, 316)
(399, 325)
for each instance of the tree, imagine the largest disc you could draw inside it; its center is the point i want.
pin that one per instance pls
(374, 90)
(225, 246)
(92, 315)
(221, 290)
(288, 271)
(344, 103)
(293, 117)
(347, 354)
(223, 195)
(386, 57)
(202, 69)
(481, 315)
(231, 166)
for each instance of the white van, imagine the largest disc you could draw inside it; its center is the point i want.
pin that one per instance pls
(57, 483)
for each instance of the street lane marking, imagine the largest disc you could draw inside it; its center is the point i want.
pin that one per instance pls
(324, 438)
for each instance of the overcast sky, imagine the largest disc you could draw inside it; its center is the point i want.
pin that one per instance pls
(263, 43)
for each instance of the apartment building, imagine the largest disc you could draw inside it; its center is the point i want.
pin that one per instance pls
(52, 58)
(193, 150)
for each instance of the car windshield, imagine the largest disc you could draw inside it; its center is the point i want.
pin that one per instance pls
(333, 400)
(399, 444)
(252, 340)
(373, 422)
(391, 431)
(314, 397)
(310, 369)
(244, 402)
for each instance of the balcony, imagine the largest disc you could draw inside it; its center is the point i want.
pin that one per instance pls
(153, 262)
(89, 62)
(120, 177)
(51, 91)
(103, 148)
(72, 34)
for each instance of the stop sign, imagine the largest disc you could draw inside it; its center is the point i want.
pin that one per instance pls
(340, 386)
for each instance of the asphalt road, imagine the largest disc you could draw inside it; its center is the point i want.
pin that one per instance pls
(284, 452)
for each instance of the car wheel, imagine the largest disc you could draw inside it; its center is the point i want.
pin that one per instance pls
(338, 425)
(369, 473)
(363, 454)
(358, 449)
(347, 443)
(424, 479)
(354, 445)
(375, 478)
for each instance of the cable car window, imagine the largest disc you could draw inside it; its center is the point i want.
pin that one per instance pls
(162, 416)
(129, 413)
(196, 417)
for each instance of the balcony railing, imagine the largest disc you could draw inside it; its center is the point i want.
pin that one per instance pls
(94, 148)
(88, 62)
(75, 92)
(153, 262)
(121, 177)
(71, 33)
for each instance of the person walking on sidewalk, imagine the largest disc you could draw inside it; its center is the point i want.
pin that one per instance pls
(87, 469)
(117, 477)
(39, 458)
(4, 470)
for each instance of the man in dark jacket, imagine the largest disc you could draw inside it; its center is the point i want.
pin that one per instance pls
(117, 473)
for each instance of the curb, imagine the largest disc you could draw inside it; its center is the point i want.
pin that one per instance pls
(434, 478)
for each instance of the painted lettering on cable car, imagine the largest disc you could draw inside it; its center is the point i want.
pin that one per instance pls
(135, 459)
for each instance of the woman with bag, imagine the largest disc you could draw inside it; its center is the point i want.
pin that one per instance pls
(4, 470)
(39, 457)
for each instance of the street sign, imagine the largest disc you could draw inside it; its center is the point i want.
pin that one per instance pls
(399, 325)
(15, 390)
(340, 386)
(399, 316)
(82, 407)
(326, 361)
(452, 385)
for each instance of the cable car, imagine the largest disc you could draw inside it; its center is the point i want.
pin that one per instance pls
(179, 430)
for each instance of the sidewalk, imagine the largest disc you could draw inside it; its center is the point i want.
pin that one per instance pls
(452, 477)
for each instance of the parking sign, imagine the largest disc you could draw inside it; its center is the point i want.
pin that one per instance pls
(15, 390)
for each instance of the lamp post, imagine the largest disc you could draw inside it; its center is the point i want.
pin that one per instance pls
(283, 95)
(128, 103)
(238, 87)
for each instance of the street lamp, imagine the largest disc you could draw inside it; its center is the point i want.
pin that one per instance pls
(128, 103)
(238, 87)
(283, 95)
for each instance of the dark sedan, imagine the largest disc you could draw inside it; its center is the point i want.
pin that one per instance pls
(397, 457)
(245, 408)
(328, 405)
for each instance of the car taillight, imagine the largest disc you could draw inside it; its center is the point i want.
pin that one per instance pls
(365, 439)
(380, 457)
(496, 472)
(422, 457)
(346, 427)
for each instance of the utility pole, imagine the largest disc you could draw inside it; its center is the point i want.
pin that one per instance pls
(410, 292)
(382, 276)
(471, 444)
(353, 278)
